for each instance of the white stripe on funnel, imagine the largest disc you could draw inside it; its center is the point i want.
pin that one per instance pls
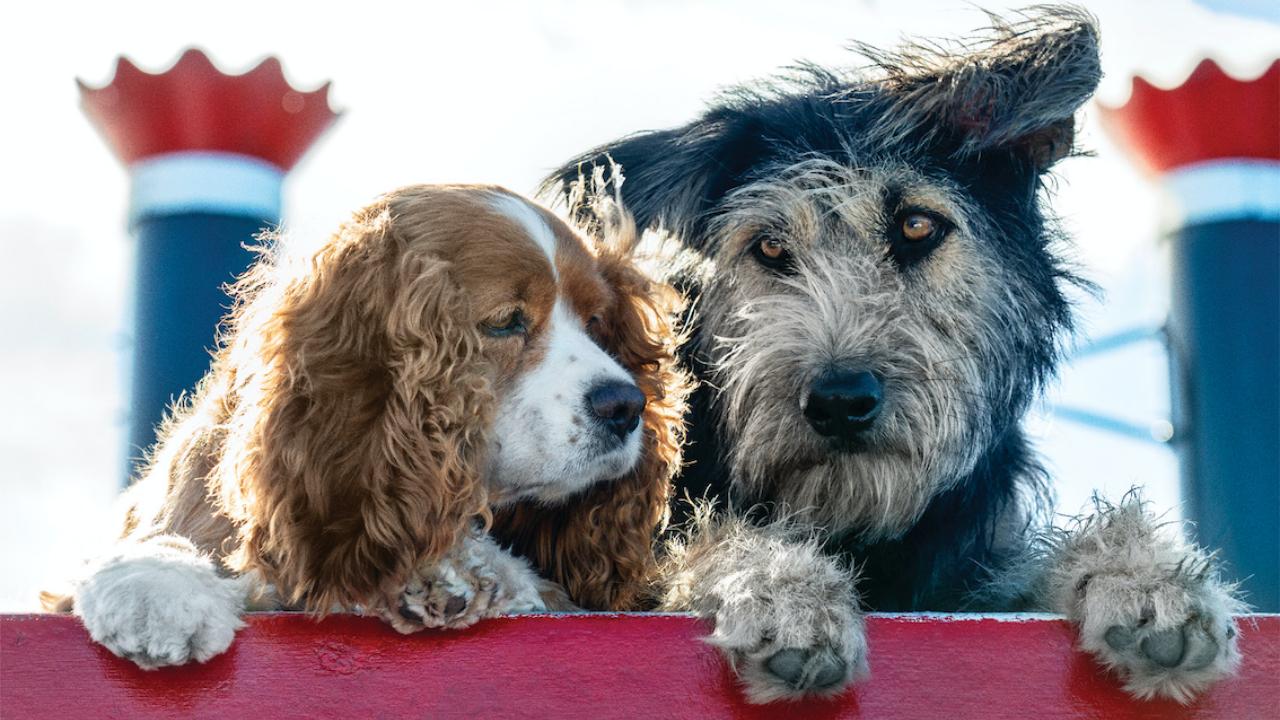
(1217, 190)
(213, 182)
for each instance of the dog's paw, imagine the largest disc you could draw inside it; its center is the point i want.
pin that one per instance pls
(1150, 606)
(799, 633)
(1171, 637)
(160, 610)
(476, 581)
(442, 595)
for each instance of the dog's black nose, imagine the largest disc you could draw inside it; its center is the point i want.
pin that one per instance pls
(617, 405)
(842, 403)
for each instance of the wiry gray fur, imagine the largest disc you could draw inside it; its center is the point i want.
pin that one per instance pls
(941, 503)
(1150, 606)
(779, 603)
(1002, 86)
(845, 306)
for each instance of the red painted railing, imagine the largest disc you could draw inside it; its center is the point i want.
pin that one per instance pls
(591, 666)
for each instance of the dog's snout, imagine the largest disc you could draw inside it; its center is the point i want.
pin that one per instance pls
(617, 405)
(842, 404)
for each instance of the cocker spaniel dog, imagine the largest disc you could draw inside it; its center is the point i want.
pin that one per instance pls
(880, 292)
(455, 408)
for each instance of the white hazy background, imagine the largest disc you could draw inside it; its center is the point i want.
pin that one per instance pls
(493, 92)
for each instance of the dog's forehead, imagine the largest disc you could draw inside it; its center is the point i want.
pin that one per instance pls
(561, 246)
(564, 251)
(823, 200)
(505, 249)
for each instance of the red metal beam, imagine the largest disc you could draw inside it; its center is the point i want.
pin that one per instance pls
(590, 667)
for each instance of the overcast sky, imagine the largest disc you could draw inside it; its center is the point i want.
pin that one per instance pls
(488, 92)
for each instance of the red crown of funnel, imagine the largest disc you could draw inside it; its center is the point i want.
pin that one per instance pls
(195, 106)
(1210, 116)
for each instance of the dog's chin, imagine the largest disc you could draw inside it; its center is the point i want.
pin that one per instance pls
(848, 446)
(558, 484)
(871, 486)
(611, 465)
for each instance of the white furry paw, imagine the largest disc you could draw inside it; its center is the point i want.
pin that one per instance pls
(797, 633)
(477, 580)
(1170, 636)
(167, 608)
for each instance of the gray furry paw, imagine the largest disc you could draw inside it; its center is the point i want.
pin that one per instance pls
(1149, 606)
(798, 634)
(1170, 634)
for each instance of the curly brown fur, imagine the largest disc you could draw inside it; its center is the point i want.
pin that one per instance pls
(343, 381)
(345, 437)
(355, 381)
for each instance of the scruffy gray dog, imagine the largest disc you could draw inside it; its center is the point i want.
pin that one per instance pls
(876, 290)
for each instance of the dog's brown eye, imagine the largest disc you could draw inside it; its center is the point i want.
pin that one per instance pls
(772, 248)
(915, 234)
(512, 323)
(918, 226)
(772, 253)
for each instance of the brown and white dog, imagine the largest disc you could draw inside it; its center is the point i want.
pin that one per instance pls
(454, 358)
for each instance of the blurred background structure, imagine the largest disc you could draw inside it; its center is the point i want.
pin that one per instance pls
(1213, 142)
(207, 154)
(502, 92)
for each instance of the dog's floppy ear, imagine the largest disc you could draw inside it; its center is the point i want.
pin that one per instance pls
(1015, 89)
(600, 545)
(675, 178)
(362, 413)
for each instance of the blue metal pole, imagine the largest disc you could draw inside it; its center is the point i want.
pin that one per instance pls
(1225, 349)
(184, 260)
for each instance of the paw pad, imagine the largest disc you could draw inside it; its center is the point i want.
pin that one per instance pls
(409, 613)
(454, 606)
(807, 669)
(431, 607)
(1189, 646)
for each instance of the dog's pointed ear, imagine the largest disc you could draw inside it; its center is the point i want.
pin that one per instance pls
(674, 178)
(364, 411)
(1015, 89)
(601, 545)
